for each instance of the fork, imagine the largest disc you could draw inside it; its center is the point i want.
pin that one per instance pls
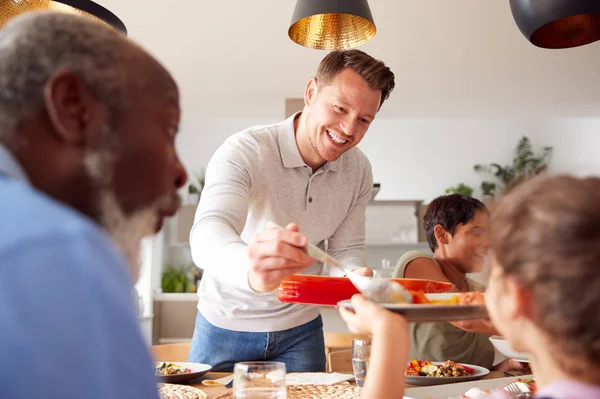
(519, 390)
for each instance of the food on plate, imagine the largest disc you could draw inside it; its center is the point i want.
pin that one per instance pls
(453, 300)
(419, 297)
(167, 368)
(463, 298)
(426, 368)
(530, 383)
(471, 298)
(172, 391)
(415, 366)
(474, 393)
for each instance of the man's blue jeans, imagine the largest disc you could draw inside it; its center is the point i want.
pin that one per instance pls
(301, 348)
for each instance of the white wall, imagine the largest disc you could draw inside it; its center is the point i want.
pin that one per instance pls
(419, 158)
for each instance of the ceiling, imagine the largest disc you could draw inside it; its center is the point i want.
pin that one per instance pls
(451, 58)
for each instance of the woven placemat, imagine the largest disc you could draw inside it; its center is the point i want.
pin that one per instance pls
(315, 392)
(174, 391)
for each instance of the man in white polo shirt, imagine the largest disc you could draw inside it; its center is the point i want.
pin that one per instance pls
(303, 173)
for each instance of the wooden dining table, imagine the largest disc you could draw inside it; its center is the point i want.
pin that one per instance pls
(215, 391)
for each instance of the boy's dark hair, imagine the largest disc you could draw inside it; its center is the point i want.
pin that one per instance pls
(449, 211)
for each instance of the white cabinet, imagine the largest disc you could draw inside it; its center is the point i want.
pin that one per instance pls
(393, 222)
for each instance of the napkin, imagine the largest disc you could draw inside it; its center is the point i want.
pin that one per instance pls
(316, 378)
(295, 379)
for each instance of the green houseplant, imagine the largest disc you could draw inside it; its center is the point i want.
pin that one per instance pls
(525, 164)
(197, 183)
(174, 279)
(460, 189)
(488, 188)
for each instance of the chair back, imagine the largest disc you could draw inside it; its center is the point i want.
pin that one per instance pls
(340, 362)
(336, 341)
(170, 352)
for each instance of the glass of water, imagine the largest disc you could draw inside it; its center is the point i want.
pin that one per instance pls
(361, 350)
(259, 380)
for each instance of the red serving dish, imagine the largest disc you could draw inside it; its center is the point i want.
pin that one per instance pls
(328, 291)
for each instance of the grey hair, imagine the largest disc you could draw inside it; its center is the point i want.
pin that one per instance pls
(36, 45)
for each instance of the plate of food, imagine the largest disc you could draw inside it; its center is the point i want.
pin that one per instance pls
(179, 371)
(467, 390)
(328, 291)
(424, 372)
(437, 307)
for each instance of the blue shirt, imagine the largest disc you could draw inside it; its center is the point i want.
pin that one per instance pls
(67, 322)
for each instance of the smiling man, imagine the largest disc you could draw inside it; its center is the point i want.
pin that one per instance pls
(87, 160)
(306, 173)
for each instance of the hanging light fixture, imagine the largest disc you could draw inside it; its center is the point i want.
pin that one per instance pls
(558, 23)
(332, 24)
(11, 8)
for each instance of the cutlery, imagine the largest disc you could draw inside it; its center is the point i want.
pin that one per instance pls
(519, 390)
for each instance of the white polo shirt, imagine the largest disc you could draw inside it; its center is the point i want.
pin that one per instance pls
(257, 176)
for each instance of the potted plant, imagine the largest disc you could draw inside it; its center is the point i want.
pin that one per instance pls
(174, 279)
(488, 190)
(195, 188)
(524, 165)
(460, 189)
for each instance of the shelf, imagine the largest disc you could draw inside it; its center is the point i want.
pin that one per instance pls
(396, 203)
(396, 244)
(176, 297)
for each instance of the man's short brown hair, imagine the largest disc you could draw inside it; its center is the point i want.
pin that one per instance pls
(373, 71)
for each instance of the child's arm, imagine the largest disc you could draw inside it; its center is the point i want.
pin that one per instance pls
(389, 347)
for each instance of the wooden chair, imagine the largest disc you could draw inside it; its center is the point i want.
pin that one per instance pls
(170, 352)
(339, 342)
(340, 362)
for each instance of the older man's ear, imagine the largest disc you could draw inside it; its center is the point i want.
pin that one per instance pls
(71, 106)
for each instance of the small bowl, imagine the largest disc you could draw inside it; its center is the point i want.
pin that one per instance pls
(501, 344)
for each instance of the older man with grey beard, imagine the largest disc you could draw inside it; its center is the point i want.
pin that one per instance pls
(87, 129)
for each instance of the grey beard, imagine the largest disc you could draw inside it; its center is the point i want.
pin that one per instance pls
(126, 231)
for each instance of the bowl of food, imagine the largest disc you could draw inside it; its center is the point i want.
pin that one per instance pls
(328, 291)
(501, 344)
(178, 372)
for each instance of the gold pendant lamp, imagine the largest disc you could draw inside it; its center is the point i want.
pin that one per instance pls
(332, 24)
(556, 24)
(11, 8)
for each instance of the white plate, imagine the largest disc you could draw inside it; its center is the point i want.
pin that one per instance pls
(198, 369)
(478, 373)
(501, 344)
(430, 313)
(455, 390)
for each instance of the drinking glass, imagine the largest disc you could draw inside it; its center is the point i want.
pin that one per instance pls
(259, 380)
(361, 350)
